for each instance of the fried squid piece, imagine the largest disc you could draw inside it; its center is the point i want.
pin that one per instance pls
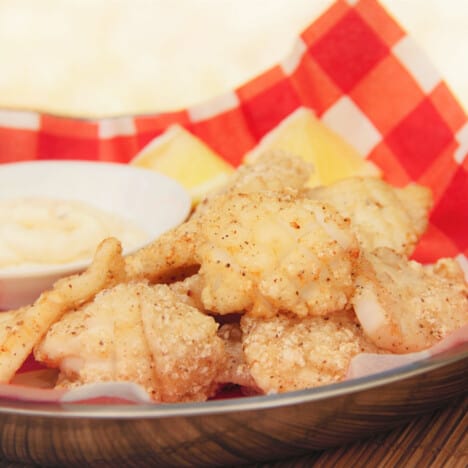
(165, 257)
(381, 215)
(187, 352)
(404, 306)
(188, 290)
(287, 353)
(22, 329)
(270, 171)
(137, 333)
(102, 341)
(267, 251)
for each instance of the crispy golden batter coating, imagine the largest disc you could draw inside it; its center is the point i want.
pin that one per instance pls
(22, 329)
(381, 215)
(289, 353)
(187, 353)
(102, 341)
(137, 333)
(271, 171)
(189, 291)
(404, 306)
(268, 251)
(175, 250)
(260, 252)
(166, 256)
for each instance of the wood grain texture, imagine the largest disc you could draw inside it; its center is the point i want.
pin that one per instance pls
(419, 420)
(437, 439)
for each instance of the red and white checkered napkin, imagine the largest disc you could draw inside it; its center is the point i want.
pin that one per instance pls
(361, 74)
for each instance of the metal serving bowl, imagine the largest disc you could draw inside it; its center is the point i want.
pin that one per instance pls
(230, 431)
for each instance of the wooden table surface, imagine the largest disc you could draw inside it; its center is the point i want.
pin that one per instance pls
(437, 439)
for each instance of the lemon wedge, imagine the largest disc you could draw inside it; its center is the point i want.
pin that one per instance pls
(184, 157)
(303, 134)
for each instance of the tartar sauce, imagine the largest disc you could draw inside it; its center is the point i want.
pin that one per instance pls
(48, 231)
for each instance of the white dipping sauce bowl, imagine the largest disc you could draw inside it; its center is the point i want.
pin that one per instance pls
(149, 200)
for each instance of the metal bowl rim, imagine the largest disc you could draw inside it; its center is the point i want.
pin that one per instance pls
(228, 405)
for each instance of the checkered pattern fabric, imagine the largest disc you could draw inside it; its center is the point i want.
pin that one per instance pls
(361, 74)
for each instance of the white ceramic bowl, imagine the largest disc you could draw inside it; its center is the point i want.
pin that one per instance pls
(149, 200)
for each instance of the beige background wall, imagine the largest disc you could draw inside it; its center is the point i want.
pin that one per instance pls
(105, 57)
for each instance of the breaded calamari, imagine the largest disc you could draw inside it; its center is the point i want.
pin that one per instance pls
(188, 354)
(138, 333)
(287, 353)
(101, 342)
(270, 171)
(404, 306)
(381, 215)
(268, 251)
(175, 250)
(22, 329)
